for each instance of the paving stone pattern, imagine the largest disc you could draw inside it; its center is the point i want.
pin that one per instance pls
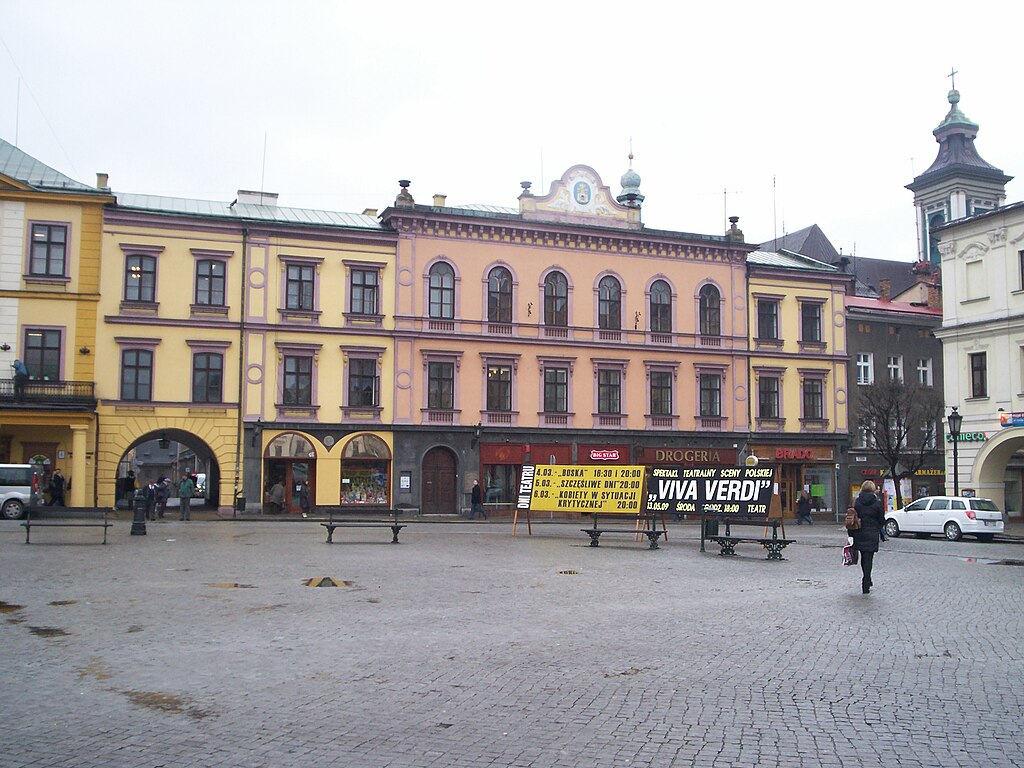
(463, 646)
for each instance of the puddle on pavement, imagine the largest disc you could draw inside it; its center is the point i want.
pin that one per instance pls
(990, 561)
(48, 631)
(62, 602)
(134, 628)
(259, 608)
(232, 585)
(9, 607)
(326, 581)
(96, 669)
(165, 702)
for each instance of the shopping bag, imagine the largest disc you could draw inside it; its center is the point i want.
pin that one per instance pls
(849, 555)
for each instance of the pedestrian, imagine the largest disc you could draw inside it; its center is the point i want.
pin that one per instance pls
(277, 498)
(304, 498)
(866, 538)
(56, 489)
(151, 500)
(803, 509)
(128, 489)
(20, 378)
(476, 505)
(186, 490)
(160, 496)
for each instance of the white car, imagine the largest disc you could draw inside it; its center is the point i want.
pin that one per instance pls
(952, 516)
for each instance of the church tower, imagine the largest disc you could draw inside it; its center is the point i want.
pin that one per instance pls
(958, 184)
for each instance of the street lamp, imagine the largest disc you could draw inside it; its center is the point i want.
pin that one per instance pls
(955, 420)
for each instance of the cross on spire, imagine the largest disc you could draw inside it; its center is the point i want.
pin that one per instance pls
(952, 76)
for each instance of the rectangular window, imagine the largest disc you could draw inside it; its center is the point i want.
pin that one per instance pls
(210, 277)
(363, 382)
(207, 377)
(364, 292)
(499, 388)
(49, 247)
(556, 390)
(924, 371)
(140, 278)
(895, 366)
(767, 320)
(609, 391)
(865, 435)
(810, 322)
(814, 401)
(865, 367)
(979, 374)
(710, 394)
(42, 353)
(299, 287)
(1020, 268)
(137, 375)
(928, 435)
(441, 386)
(768, 397)
(297, 387)
(661, 393)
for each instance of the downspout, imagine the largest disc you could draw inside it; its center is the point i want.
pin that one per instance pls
(240, 429)
(96, 465)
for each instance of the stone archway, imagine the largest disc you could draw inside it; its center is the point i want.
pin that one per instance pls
(987, 473)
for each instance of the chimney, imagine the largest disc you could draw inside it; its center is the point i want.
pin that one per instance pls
(248, 197)
(934, 297)
(439, 201)
(101, 181)
(884, 288)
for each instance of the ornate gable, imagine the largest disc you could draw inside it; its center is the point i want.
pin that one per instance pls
(578, 197)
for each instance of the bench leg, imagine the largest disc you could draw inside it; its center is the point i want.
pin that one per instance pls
(775, 550)
(653, 536)
(728, 549)
(395, 529)
(27, 529)
(594, 536)
(330, 535)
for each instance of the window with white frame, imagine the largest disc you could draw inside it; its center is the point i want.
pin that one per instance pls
(865, 434)
(895, 365)
(924, 371)
(865, 367)
(929, 435)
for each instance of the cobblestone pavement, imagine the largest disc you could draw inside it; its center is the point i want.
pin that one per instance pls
(464, 646)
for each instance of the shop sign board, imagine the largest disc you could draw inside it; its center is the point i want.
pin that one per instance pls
(710, 490)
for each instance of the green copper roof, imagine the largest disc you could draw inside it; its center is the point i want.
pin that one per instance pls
(17, 165)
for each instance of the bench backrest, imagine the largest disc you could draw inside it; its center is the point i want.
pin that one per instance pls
(347, 512)
(67, 513)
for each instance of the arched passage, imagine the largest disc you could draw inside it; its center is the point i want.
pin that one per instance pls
(165, 456)
(988, 472)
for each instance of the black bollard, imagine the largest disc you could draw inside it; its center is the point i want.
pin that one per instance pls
(139, 513)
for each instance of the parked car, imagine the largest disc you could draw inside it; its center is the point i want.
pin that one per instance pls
(19, 488)
(952, 516)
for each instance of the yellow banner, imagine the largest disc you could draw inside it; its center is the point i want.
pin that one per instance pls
(606, 489)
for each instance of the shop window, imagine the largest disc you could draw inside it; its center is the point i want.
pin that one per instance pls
(366, 471)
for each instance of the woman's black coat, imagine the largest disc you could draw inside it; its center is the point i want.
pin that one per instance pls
(872, 519)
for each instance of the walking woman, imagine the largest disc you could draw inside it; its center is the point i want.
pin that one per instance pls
(865, 539)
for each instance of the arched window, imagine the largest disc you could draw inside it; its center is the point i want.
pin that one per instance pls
(710, 311)
(609, 304)
(499, 296)
(661, 307)
(442, 291)
(556, 300)
(366, 471)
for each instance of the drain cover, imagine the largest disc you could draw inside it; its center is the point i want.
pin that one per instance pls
(232, 585)
(568, 573)
(326, 581)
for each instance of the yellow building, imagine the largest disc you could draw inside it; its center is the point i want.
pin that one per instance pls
(247, 340)
(798, 381)
(49, 288)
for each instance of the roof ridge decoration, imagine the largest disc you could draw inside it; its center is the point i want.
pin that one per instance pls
(579, 197)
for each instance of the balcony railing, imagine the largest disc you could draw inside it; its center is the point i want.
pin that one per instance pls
(49, 394)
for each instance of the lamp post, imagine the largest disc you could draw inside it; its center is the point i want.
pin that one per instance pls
(955, 420)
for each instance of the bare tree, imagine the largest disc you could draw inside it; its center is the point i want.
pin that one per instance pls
(902, 424)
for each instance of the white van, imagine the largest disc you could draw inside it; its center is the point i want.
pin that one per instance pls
(19, 488)
(951, 516)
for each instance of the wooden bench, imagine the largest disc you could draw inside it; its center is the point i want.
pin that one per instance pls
(650, 531)
(728, 542)
(341, 517)
(66, 517)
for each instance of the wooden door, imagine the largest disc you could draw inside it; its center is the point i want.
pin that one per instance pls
(438, 494)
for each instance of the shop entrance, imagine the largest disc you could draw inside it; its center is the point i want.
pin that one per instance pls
(288, 461)
(438, 493)
(789, 485)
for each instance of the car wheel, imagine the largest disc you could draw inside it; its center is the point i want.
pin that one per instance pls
(952, 531)
(986, 537)
(892, 529)
(13, 510)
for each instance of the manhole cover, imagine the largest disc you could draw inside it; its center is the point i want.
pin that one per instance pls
(568, 573)
(232, 585)
(326, 581)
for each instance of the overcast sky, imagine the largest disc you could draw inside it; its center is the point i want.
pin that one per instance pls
(786, 114)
